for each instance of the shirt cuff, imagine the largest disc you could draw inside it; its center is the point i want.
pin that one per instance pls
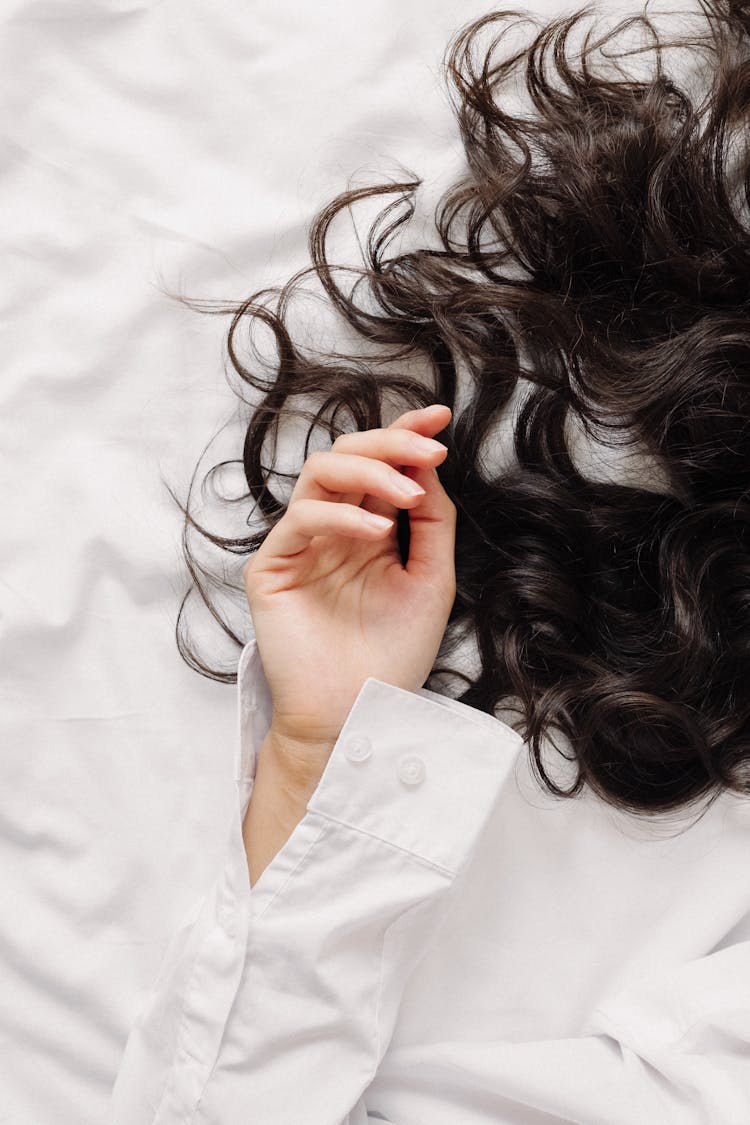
(417, 770)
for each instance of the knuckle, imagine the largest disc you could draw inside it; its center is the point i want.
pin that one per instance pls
(250, 575)
(351, 441)
(301, 509)
(315, 459)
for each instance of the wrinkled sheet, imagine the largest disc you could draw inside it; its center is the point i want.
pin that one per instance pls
(144, 145)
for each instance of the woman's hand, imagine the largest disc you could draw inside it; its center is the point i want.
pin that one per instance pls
(330, 600)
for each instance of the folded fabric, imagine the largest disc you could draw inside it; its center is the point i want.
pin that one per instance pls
(368, 973)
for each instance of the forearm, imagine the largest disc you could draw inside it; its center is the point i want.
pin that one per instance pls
(285, 778)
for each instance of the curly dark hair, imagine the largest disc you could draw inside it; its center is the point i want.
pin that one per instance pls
(597, 254)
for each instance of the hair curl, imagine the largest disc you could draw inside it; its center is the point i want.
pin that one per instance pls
(599, 249)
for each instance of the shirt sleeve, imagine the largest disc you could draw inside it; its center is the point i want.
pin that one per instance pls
(673, 1050)
(275, 1003)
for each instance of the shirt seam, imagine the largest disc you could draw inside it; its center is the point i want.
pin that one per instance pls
(195, 1108)
(180, 1036)
(288, 875)
(449, 871)
(378, 1007)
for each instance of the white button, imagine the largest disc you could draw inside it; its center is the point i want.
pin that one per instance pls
(358, 748)
(411, 770)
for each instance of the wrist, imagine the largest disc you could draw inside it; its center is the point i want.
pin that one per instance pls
(298, 762)
(278, 802)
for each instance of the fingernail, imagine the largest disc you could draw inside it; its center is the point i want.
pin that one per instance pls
(376, 521)
(409, 487)
(431, 446)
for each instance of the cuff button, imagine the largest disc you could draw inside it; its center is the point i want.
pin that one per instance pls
(358, 749)
(411, 770)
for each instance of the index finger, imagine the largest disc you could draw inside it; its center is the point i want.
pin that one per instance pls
(426, 421)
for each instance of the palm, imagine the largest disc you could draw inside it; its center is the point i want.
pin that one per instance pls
(346, 612)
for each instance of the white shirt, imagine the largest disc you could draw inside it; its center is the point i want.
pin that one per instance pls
(441, 942)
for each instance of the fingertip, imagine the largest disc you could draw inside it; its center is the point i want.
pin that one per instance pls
(377, 522)
(422, 414)
(436, 406)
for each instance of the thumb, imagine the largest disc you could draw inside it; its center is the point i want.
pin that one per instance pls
(432, 530)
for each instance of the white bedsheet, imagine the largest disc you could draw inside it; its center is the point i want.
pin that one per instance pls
(183, 144)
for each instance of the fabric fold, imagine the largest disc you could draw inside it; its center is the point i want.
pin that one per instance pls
(285, 995)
